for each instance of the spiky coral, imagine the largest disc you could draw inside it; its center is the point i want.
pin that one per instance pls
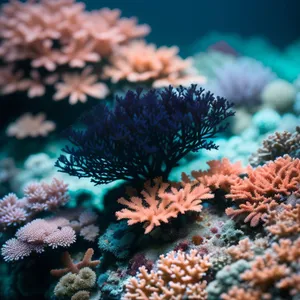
(276, 145)
(74, 268)
(178, 275)
(263, 186)
(158, 205)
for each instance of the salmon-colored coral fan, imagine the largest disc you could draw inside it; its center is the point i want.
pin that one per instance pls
(159, 205)
(178, 276)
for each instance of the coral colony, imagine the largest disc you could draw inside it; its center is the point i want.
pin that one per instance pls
(182, 183)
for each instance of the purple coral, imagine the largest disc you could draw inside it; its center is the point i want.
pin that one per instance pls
(12, 210)
(44, 197)
(38, 197)
(242, 81)
(36, 235)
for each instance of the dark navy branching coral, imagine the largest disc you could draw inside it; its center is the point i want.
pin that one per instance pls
(145, 134)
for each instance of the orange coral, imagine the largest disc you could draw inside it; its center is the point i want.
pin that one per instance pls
(241, 251)
(263, 186)
(291, 283)
(30, 126)
(221, 174)
(178, 276)
(74, 268)
(158, 205)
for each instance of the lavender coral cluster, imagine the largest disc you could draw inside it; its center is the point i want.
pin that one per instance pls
(37, 197)
(145, 134)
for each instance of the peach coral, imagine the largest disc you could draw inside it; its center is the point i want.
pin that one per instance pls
(263, 186)
(30, 126)
(221, 174)
(284, 220)
(178, 276)
(47, 34)
(159, 206)
(236, 293)
(139, 62)
(241, 251)
(78, 86)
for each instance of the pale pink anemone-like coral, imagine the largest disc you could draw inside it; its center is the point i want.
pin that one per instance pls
(57, 231)
(36, 235)
(56, 36)
(29, 125)
(37, 197)
(177, 275)
(141, 62)
(77, 86)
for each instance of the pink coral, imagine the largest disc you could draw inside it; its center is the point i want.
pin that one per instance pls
(37, 197)
(178, 276)
(49, 34)
(139, 62)
(30, 126)
(36, 235)
(44, 196)
(158, 206)
(78, 86)
(12, 211)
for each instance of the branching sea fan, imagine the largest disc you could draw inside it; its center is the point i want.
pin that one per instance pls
(145, 134)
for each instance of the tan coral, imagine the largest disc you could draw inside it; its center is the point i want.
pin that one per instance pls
(241, 251)
(284, 220)
(178, 276)
(159, 205)
(287, 251)
(237, 293)
(265, 271)
(30, 126)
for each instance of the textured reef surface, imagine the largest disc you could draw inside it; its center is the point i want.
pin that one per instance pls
(161, 177)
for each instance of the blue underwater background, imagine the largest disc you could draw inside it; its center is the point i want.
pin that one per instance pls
(150, 150)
